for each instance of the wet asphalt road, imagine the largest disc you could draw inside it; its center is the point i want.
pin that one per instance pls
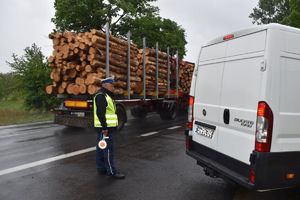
(156, 166)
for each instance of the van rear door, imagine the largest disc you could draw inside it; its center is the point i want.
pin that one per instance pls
(241, 91)
(207, 94)
(228, 89)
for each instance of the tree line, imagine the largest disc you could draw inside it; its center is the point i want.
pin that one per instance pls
(28, 80)
(277, 11)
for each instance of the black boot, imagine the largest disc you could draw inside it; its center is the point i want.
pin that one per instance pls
(118, 175)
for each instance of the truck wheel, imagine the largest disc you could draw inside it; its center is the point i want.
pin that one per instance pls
(169, 114)
(163, 116)
(122, 118)
(138, 112)
(173, 113)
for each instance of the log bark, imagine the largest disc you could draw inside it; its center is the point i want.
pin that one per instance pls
(50, 89)
(93, 89)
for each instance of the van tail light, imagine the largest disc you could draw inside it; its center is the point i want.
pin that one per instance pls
(264, 128)
(191, 113)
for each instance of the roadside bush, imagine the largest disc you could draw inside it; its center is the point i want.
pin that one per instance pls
(8, 87)
(1, 87)
(32, 74)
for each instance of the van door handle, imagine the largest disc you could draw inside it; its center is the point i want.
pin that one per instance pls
(226, 116)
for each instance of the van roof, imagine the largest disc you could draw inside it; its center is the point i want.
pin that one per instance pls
(248, 31)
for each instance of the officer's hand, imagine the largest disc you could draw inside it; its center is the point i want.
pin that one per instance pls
(105, 132)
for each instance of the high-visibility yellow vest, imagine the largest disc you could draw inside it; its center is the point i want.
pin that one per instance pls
(110, 115)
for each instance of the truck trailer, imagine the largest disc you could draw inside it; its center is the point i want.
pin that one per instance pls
(77, 109)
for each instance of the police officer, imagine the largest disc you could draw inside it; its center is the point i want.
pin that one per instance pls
(105, 122)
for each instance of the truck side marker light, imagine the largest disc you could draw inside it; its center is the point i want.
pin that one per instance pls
(290, 176)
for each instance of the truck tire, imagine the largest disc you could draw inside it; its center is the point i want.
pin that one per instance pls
(138, 112)
(122, 118)
(169, 113)
(172, 114)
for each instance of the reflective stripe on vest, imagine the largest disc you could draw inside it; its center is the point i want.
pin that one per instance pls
(110, 114)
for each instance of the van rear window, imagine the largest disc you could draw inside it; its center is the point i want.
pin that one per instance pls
(213, 52)
(251, 43)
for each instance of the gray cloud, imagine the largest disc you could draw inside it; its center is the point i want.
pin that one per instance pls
(24, 22)
(204, 20)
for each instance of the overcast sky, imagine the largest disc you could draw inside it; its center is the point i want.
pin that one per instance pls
(24, 22)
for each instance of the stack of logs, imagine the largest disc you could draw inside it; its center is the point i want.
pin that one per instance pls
(150, 63)
(186, 70)
(78, 63)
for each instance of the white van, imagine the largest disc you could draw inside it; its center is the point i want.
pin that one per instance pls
(244, 113)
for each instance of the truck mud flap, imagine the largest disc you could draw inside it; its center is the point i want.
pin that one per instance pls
(73, 121)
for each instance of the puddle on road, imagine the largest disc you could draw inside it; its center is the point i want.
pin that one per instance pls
(35, 139)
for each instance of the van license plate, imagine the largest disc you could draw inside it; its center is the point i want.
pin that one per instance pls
(206, 132)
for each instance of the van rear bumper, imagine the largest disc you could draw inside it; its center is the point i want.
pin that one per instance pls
(270, 169)
(225, 166)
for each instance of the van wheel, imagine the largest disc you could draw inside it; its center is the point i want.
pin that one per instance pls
(122, 118)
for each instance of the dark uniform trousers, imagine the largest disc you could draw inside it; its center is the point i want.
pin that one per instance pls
(104, 157)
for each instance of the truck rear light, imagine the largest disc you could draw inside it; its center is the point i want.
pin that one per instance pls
(75, 104)
(290, 176)
(264, 127)
(191, 113)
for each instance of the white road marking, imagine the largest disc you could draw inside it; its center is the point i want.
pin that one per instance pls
(45, 161)
(24, 132)
(26, 125)
(174, 127)
(148, 134)
(20, 134)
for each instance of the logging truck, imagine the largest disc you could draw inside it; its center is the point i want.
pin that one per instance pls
(77, 110)
(147, 79)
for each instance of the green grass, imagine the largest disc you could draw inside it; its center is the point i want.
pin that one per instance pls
(13, 112)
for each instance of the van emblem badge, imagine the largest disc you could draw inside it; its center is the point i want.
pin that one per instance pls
(243, 122)
(204, 112)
